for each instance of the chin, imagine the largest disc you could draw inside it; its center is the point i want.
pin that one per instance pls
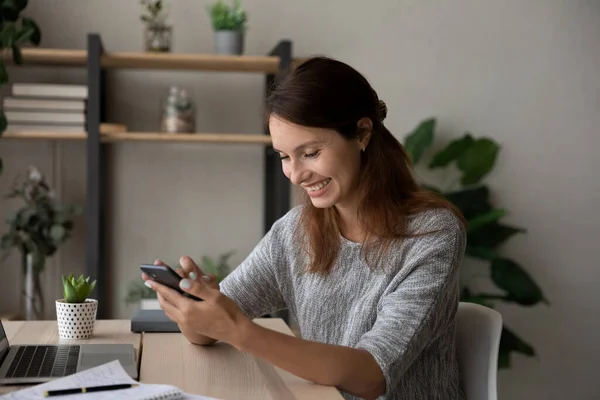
(322, 202)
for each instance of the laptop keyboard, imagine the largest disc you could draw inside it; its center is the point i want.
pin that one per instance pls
(44, 361)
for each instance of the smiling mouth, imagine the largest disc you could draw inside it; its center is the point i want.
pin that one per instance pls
(318, 186)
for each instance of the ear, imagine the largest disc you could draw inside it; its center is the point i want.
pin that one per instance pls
(364, 128)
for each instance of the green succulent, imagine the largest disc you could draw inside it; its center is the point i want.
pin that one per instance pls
(76, 290)
(226, 18)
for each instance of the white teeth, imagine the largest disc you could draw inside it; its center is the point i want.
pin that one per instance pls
(319, 186)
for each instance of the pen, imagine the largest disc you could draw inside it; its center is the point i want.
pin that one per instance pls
(50, 393)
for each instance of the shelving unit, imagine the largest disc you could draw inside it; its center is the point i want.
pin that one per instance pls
(98, 63)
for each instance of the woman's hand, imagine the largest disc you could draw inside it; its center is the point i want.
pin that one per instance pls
(216, 317)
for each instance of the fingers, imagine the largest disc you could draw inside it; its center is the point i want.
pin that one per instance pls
(171, 311)
(191, 270)
(167, 293)
(201, 288)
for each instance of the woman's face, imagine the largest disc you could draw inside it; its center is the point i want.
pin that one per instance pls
(320, 161)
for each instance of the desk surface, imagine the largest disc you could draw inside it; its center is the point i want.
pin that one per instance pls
(218, 371)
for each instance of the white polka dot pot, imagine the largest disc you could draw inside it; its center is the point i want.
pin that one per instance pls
(76, 320)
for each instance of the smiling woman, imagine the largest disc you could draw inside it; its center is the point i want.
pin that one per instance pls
(368, 265)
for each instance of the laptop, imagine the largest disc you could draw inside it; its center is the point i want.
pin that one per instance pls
(32, 364)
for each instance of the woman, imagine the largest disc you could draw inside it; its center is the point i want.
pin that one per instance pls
(368, 266)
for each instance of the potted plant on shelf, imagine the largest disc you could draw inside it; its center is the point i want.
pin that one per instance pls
(37, 229)
(466, 161)
(158, 34)
(75, 312)
(229, 25)
(16, 31)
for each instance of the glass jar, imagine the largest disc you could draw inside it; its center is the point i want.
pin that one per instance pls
(178, 112)
(158, 38)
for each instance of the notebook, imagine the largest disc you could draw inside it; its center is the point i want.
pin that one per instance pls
(106, 374)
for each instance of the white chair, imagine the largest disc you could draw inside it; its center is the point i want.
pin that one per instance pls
(478, 331)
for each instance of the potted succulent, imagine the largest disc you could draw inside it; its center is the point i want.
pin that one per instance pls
(36, 229)
(229, 25)
(75, 312)
(158, 33)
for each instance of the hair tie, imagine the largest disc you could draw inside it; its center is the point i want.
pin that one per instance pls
(382, 110)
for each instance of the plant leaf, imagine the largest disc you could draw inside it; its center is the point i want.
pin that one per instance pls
(452, 151)
(471, 202)
(492, 235)
(484, 219)
(17, 56)
(483, 253)
(57, 233)
(420, 139)
(518, 284)
(3, 80)
(36, 36)
(478, 160)
(509, 342)
(70, 292)
(10, 10)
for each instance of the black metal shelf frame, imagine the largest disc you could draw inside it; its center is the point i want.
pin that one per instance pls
(276, 185)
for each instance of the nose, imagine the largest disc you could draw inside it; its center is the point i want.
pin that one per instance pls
(296, 172)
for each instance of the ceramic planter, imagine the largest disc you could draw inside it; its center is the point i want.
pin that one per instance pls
(76, 320)
(229, 42)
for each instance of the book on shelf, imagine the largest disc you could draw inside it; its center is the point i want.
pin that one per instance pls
(36, 104)
(47, 107)
(50, 90)
(16, 127)
(45, 117)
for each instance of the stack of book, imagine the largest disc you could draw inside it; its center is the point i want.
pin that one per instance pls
(46, 107)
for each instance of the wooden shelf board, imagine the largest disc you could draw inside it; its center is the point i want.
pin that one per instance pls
(206, 62)
(42, 56)
(49, 135)
(148, 60)
(188, 137)
(144, 137)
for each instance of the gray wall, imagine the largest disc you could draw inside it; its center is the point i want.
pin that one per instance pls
(525, 73)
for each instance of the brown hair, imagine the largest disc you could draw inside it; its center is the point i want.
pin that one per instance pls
(326, 93)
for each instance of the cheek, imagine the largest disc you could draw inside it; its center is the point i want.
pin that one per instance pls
(286, 169)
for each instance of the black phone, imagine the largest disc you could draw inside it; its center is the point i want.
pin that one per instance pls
(165, 275)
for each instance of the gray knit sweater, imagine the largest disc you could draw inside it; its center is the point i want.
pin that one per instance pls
(403, 315)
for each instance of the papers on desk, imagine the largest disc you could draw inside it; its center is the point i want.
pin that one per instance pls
(108, 374)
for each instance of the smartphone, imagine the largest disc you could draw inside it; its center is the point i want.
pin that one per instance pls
(165, 275)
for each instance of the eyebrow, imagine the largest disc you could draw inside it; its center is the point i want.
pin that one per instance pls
(302, 146)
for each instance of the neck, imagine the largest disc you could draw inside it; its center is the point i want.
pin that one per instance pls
(349, 225)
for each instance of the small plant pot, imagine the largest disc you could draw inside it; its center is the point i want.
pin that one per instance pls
(76, 320)
(229, 42)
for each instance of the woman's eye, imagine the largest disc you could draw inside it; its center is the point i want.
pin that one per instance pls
(283, 157)
(312, 155)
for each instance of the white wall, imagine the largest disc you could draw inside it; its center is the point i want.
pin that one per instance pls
(524, 73)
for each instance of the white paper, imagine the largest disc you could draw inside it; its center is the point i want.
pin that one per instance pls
(107, 374)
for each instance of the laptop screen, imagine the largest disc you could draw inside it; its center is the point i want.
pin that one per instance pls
(3, 341)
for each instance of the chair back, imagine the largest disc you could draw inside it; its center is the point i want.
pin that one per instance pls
(478, 330)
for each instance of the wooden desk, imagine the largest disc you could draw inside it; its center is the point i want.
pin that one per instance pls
(217, 371)
(223, 372)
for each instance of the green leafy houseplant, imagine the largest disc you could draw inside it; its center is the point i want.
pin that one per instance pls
(77, 290)
(37, 229)
(155, 12)
(472, 159)
(15, 31)
(228, 18)
(220, 267)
